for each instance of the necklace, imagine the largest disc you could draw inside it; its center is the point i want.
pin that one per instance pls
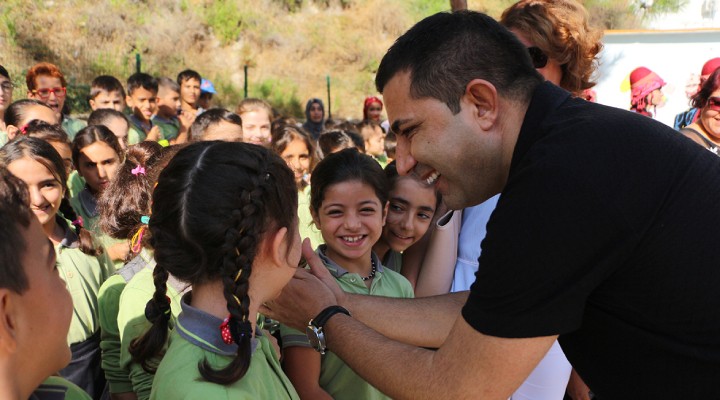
(372, 271)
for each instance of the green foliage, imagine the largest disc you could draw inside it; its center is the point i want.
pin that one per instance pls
(77, 97)
(281, 94)
(424, 8)
(224, 17)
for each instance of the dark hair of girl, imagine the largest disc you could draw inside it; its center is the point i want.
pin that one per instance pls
(392, 176)
(42, 152)
(47, 132)
(91, 134)
(127, 198)
(211, 207)
(282, 135)
(15, 113)
(344, 166)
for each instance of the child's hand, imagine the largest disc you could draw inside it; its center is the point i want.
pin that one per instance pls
(186, 119)
(154, 134)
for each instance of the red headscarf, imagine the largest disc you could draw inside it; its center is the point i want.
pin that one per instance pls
(643, 82)
(368, 102)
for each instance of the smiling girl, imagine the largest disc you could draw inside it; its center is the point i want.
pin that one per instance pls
(349, 205)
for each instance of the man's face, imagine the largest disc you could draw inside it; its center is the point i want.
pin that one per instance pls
(463, 161)
(105, 99)
(50, 91)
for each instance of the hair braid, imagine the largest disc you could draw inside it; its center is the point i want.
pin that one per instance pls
(145, 348)
(85, 238)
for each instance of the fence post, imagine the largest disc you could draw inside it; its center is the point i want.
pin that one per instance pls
(137, 63)
(327, 78)
(246, 81)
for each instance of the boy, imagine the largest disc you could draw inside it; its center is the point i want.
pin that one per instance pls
(116, 121)
(374, 139)
(35, 306)
(174, 123)
(46, 83)
(189, 82)
(207, 91)
(107, 92)
(217, 124)
(142, 100)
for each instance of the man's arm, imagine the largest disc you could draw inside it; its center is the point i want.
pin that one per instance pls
(469, 365)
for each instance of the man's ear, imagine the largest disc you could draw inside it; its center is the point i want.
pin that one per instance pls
(483, 97)
(11, 131)
(8, 325)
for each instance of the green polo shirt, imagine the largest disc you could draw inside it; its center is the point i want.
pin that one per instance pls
(83, 274)
(196, 339)
(169, 128)
(75, 184)
(109, 303)
(305, 221)
(3, 138)
(336, 377)
(72, 126)
(132, 323)
(57, 388)
(85, 205)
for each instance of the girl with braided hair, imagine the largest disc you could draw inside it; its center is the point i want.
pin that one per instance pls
(223, 221)
(81, 265)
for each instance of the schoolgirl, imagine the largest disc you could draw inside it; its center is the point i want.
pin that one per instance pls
(223, 221)
(349, 205)
(80, 263)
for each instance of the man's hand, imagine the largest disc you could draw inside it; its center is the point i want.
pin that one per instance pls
(308, 293)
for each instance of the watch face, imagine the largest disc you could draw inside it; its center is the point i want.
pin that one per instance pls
(316, 338)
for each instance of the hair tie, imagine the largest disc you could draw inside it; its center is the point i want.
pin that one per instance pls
(139, 170)
(23, 129)
(136, 241)
(232, 330)
(78, 222)
(145, 219)
(153, 311)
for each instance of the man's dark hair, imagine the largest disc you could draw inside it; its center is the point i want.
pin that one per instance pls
(106, 83)
(445, 51)
(141, 80)
(209, 118)
(15, 214)
(187, 75)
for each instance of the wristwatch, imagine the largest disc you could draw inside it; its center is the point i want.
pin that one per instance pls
(314, 330)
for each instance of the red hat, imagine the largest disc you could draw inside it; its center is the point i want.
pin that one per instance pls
(642, 82)
(710, 66)
(368, 102)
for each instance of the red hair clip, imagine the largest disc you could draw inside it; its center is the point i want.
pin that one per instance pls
(23, 129)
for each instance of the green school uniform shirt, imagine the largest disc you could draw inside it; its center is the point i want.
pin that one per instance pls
(85, 206)
(197, 338)
(336, 377)
(75, 184)
(3, 138)
(305, 222)
(135, 135)
(132, 323)
(83, 274)
(72, 126)
(109, 303)
(169, 128)
(57, 388)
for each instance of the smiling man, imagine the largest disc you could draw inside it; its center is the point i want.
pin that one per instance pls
(593, 239)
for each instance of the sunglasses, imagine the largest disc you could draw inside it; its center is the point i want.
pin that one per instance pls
(45, 93)
(713, 103)
(539, 58)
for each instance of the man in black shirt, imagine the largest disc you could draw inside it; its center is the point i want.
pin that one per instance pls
(604, 234)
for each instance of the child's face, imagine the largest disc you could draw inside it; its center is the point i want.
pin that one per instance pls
(143, 103)
(98, 164)
(256, 127)
(297, 157)
(65, 153)
(375, 145)
(350, 219)
(168, 103)
(412, 207)
(6, 95)
(190, 91)
(46, 192)
(113, 100)
(55, 98)
(44, 309)
(119, 127)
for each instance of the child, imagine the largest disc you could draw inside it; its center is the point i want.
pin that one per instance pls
(412, 208)
(56, 136)
(207, 91)
(6, 96)
(174, 123)
(256, 115)
(46, 83)
(142, 100)
(223, 220)
(189, 82)
(122, 207)
(374, 139)
(349, 206)
(107, 92)
(390, 145)
(333, 141)
(80, 264)
(295, 147)
(97, 154)
(30, 290)
(19, 113)
(217, 124)
(114, 120)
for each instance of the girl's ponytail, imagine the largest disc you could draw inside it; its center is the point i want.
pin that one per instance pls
(146, 348)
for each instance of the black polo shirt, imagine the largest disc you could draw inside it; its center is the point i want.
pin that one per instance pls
(608, 234)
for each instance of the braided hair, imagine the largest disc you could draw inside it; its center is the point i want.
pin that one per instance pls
(213, 204)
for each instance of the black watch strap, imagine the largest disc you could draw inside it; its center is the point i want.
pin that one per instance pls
(324, 315)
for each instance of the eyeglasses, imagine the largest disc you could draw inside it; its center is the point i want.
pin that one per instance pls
(539, 58)
(7, 86)
(45, 93)
(713, 103)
